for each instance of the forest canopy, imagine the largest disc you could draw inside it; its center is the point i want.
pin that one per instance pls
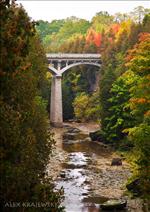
(116, 96)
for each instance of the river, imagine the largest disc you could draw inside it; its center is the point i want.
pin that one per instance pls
(83, 168)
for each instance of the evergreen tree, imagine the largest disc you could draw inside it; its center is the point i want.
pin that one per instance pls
(25, 141)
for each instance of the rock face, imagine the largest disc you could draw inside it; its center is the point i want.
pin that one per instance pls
(116, 162)
(114, 204)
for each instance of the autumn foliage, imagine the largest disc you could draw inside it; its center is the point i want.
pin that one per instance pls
(93, 37)
(25, 140)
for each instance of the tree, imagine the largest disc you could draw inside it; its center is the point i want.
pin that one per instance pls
(120, 116)
(45, 28)
(106, 82)
(25, 141)
(101, 21)
(121, 17)
(139, 13)
(86, 107)
(93, 37)
(138, 61)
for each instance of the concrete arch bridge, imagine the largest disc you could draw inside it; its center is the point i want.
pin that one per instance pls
(58, 64)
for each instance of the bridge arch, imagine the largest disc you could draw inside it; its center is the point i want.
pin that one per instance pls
(77, 64)
(53, 70)
(60, 72)
(58, 64)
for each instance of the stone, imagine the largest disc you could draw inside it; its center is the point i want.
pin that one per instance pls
(96, 136)
(134, 187)
(88, 139)
(114, 204)
(116, 162)
(74, 130)
(69, 136)
(62, 174)
(74, 136)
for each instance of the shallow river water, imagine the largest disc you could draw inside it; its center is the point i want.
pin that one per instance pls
(83, 168)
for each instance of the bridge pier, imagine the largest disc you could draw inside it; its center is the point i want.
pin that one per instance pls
(63, 63)
(56, 115)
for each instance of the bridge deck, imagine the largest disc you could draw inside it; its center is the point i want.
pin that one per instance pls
(73, 56)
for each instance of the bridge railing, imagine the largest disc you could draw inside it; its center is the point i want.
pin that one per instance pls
(72, 56)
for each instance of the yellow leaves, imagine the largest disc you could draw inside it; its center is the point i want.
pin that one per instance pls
(129, 77)
(148, 77)
(124, 27)
(48, 75)
(125, 131)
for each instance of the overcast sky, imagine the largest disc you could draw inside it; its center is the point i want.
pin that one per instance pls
(50, 10)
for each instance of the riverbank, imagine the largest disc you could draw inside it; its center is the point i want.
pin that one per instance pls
(81, 160)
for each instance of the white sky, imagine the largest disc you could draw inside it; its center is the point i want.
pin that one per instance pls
(50, 10)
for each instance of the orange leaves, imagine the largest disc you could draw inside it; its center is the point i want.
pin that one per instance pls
(90, 35)
(147, 113)
(144, 43)
(94, 37)
(145, 36)
(98, 39)
(139, 100)
(115, 28)
(138, 59)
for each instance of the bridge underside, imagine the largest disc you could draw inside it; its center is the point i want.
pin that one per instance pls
(58, 64)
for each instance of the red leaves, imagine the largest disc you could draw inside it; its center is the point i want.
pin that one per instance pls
(98, 39)
(94, 37)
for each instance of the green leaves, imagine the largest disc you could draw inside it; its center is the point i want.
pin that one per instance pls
(86, 107)
(25, 141)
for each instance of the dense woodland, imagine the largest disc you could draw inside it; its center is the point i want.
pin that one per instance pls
(120, 102)
(117, 96)
(25, 139)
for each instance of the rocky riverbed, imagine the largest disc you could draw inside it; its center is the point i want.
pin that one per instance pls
(83, 168)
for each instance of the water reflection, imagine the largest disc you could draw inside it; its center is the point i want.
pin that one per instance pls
(75, 183)
(73, 176)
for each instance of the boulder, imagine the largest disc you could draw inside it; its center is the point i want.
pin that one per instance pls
(96, 136)
(114, 204)
(134, 187)
(73, 130)
(116, 162)
(69, 136)
(88, 139)
(74, 136)
(62, 174)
